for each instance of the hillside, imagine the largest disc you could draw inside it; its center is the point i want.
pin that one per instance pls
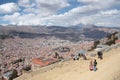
(108, 69)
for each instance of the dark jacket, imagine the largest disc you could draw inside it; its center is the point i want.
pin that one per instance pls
(95, 63)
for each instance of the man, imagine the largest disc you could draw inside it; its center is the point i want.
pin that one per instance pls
(95, 64)
(100, 55)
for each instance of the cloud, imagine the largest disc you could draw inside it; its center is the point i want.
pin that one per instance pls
(42, 7)
(8, 8)
(104, 13)
(35, 12)
(102, 3)
(90, 1)
(110, 12)
(26, 3)
(107, 18)
(53, 4)
(41, 12)
(26, 19)
(101, 18)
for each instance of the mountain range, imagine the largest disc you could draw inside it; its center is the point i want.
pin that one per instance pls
(72, 33)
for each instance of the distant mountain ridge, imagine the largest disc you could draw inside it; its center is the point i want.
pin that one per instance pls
(72, 33)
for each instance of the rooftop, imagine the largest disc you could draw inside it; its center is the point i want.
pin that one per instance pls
(44, 62)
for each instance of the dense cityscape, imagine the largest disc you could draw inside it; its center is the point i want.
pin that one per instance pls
(17, 53)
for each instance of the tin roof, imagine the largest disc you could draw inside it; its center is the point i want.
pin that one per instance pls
(117, 41)
(44, 62)
(8, 74)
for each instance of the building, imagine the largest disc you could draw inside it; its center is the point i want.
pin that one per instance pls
(9, 75)
(101, 47)
(37, 63)
(117, 41)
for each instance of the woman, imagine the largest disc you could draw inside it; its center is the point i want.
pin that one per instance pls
(91, 66)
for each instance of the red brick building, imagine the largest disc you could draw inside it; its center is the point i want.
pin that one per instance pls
(37, 63)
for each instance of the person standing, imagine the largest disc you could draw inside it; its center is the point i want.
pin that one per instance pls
(100, 55)
(95, 65)
(91, 66)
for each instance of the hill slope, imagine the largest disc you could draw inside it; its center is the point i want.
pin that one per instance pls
(108, 69)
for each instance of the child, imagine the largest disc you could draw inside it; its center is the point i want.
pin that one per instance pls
(91, 66)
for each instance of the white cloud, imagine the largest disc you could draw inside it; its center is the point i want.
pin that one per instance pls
(18, 19)
(36, 12)
(8, 8)
(110, 12)
(102, 3)
(13, 19)
(89, 1)
(71, 18)
(42, 7)
(41, 12)
(104, 18)
(26, 3)
(43, 3)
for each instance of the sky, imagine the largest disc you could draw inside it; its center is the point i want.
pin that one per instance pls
(60, 12)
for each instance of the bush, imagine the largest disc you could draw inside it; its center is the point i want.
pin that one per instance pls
(95, 44)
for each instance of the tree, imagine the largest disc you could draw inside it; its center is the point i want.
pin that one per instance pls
(96, 43)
